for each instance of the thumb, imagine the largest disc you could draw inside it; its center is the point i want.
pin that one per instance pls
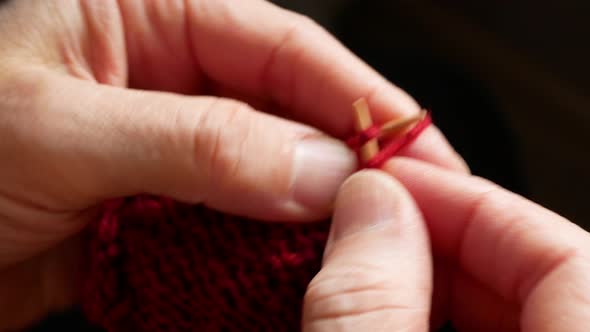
(376, 274)
(110, 142)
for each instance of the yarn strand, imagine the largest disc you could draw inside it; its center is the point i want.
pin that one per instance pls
(390, 148)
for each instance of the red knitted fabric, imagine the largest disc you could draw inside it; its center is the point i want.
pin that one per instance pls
(158, 265)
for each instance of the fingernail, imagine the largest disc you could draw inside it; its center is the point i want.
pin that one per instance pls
(321, 165)
(366, 200)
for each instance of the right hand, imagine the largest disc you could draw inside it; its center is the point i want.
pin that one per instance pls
(501, 262)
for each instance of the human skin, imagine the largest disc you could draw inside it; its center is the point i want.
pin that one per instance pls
(186, 99)
(504, 263)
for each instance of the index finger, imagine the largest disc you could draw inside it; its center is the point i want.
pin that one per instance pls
(505, 241)
(256, 47)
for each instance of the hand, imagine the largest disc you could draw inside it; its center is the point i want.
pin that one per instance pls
(501, 263)
(74, 132)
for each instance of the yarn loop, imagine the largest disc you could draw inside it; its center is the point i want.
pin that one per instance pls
(388, 149)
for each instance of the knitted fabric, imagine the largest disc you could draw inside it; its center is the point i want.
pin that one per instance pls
(159, 265)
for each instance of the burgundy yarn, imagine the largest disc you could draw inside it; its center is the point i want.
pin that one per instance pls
(392, 147)
(159, 265)
(356, 141)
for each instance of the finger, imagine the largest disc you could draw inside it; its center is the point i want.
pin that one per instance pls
(257, 47)
(518, 249)
(97, 142)
(376, 274)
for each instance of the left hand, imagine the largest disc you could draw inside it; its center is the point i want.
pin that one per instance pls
(75, 130)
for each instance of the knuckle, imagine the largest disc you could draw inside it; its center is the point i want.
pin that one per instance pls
(303, 29)
(23, 89)
(25, 98)
(494, 198)
(349, 294)
(220, 140)
(226, 12)
(306, 23)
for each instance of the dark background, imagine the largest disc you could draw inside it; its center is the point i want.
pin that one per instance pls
(508, 82)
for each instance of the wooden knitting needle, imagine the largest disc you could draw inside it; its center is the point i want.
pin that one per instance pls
(397, 126)
(363, 121)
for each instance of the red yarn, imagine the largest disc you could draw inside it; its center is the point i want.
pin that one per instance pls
(159, 265)
(392, 147)
(356, 141)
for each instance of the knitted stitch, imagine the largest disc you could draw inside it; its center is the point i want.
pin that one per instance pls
(159, 265)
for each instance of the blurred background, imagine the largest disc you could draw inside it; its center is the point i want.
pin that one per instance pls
(508, 83)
